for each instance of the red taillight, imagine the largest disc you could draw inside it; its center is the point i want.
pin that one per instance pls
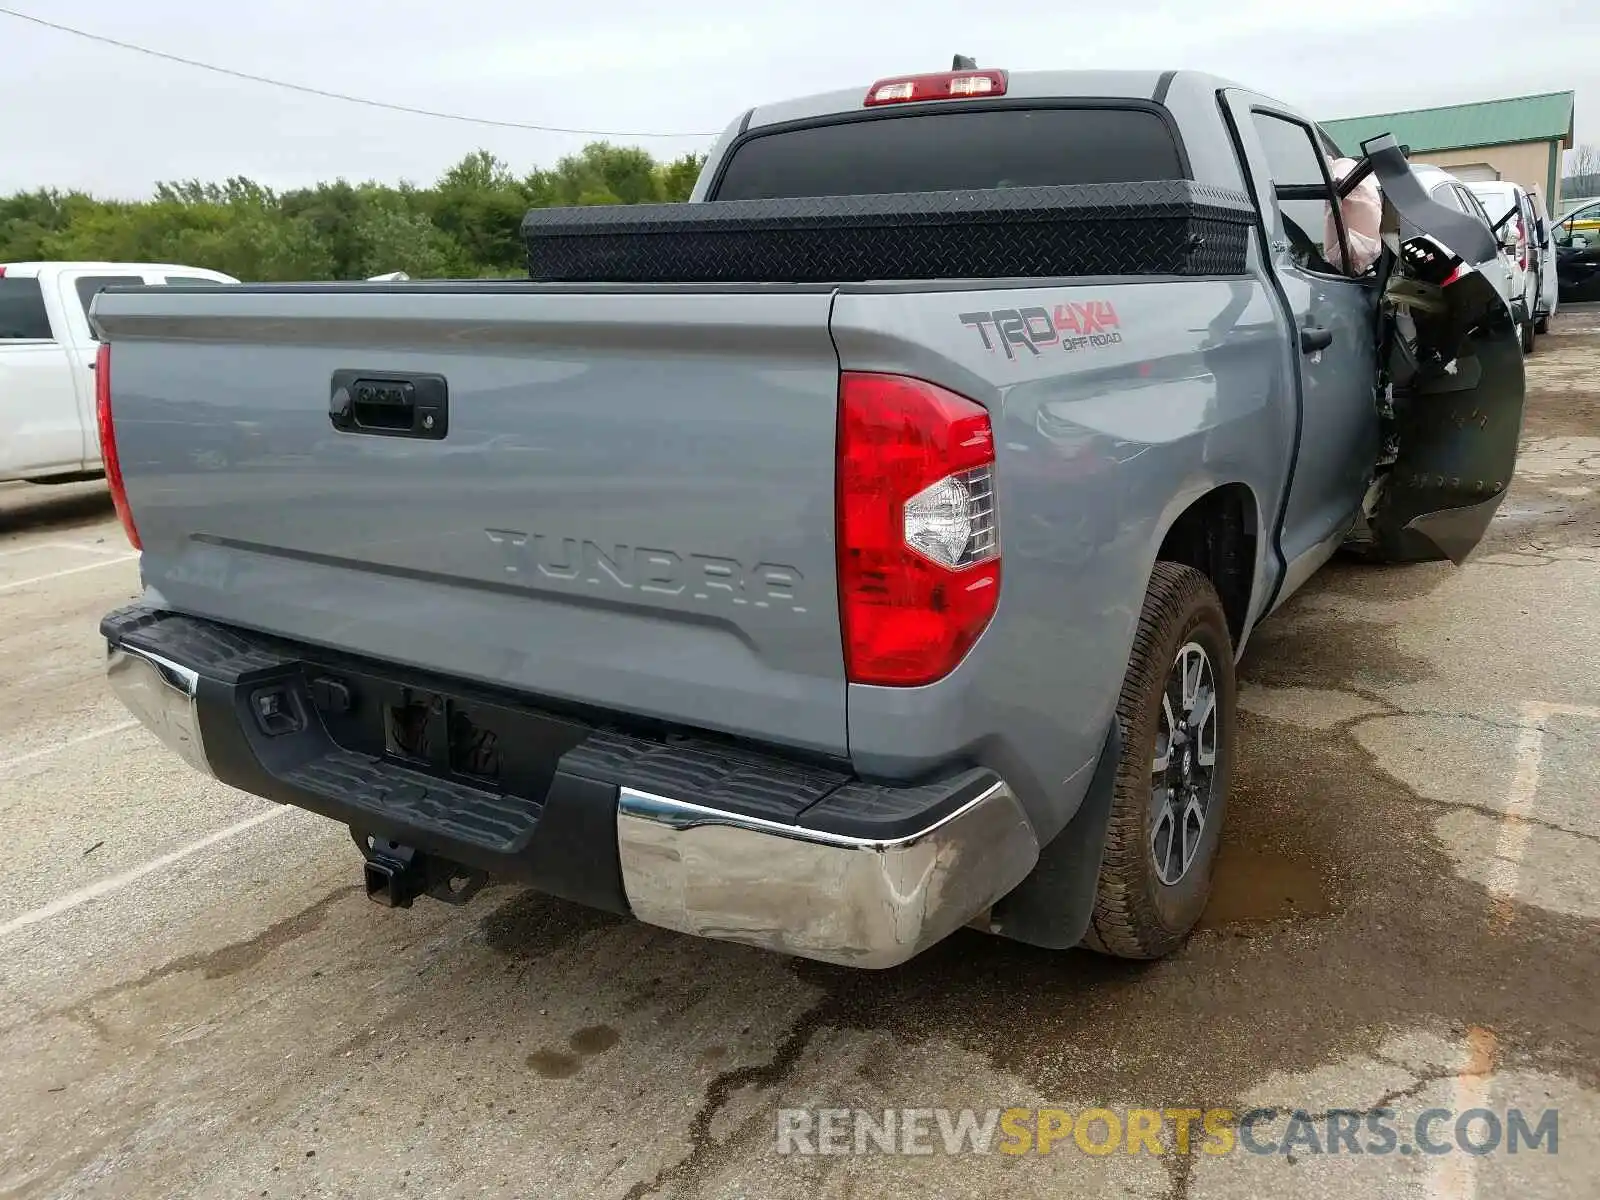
(943, 85)
(1522, 245)
(919, 544)
(108, 443)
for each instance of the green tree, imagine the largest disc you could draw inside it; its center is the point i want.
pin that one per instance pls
(600, 170)
(468, 223)
(677, 178)
(479, 204)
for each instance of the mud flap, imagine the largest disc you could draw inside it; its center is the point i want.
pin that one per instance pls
(1052, 906)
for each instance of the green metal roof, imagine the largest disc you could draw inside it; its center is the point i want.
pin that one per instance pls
(1460, 126)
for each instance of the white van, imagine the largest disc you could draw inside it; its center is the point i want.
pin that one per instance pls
(48, 431)
(1510, 280)
(1511, 211)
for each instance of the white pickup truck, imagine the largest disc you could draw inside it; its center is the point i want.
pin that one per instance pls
(47, 423)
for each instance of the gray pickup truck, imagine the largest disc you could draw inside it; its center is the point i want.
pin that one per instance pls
(858, 551)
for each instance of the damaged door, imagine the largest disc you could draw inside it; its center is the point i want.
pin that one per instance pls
(1453, 391)
(1332, 351)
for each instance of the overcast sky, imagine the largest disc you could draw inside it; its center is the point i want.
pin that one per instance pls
(82, 115)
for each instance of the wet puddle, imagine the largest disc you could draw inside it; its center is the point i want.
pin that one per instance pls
(1254, 886)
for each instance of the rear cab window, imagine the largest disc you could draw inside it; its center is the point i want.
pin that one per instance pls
(22, 313)
(927, 151)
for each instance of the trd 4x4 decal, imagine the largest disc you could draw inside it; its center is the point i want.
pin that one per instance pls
(1072, 326)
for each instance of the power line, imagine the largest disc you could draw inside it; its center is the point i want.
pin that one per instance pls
(312, 91)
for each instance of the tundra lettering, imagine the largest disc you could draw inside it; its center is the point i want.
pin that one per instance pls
(656, 571)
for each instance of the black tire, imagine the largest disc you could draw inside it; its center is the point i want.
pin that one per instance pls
(1527, 337)
(1136, 914)
(1542, 326)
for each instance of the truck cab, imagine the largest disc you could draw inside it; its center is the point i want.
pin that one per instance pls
(47, 353)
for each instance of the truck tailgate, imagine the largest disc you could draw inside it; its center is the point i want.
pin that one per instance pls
(632, 507)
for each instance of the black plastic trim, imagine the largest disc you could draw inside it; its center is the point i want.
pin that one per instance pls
(575, 855)
(1052, 907)
(1163, 86)
(881, 813)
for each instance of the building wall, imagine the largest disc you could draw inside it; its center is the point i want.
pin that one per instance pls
(1527, 163)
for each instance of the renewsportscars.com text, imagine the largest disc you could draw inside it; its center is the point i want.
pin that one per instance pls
(1215, 1131)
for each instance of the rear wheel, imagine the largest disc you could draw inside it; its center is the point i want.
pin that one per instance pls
(1542, 326)
(1526, 330)
(1177, 715)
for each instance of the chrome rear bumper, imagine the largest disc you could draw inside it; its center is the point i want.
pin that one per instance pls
(163, 695)
(846, 900)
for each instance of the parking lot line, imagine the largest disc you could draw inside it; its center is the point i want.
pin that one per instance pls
(1455, 1177)
(79, 547)
(105, 562)
(86, 548)
(116, 883)
(1512, 843)
(46, 751)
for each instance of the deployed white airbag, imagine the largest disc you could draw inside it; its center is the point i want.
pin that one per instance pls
(1363, 217)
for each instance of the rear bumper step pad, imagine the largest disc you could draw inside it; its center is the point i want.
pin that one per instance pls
(691, 835)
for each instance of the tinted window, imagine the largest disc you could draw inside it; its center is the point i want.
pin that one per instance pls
(90, 286)
(1295, 162)
(945, 151)
(189, 281)
(22, 312)
(1446, 195)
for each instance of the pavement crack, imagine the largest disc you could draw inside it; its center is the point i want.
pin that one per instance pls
(705, 1152)
(1498, 814)
(1410, 1092)
(1508, 724)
